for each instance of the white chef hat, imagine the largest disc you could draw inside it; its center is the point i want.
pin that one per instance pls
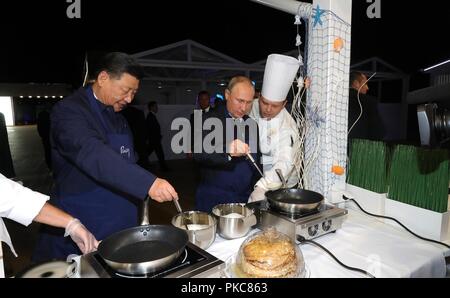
(278, 76)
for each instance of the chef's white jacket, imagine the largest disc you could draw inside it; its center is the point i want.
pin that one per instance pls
(17, 203)
(278, 137)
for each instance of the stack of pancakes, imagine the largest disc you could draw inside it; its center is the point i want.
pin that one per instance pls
(267, 257)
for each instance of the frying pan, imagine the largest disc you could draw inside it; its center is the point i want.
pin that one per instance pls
(294, 201)
(143, 249)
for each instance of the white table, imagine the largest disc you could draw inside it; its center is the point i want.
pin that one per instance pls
(363, 242)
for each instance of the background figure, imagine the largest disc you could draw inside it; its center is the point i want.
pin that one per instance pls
(6, 163)
(365, 123)
(43, 127)
(203, 105)
(219, 104)
(136, 120)
(257, 93)
(154, 135)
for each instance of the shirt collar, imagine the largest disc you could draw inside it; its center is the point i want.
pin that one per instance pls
(102, 106)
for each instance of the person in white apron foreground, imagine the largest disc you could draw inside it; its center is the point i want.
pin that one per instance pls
(23, 205)
(277, 128)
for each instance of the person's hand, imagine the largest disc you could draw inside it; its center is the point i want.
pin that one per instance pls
(258, 194)
(81, 236)
(162, 191)
(238, 148)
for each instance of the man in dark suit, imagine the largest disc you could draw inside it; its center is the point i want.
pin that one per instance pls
(227, 176)
(96, 176)
(154, 135)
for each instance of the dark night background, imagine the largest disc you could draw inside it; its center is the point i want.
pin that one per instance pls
(40, 44)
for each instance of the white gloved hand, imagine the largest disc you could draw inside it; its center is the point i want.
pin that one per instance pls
(258, 194)
(81, 236)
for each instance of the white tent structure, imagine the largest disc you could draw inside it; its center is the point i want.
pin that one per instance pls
(175, 73)
(187, 67)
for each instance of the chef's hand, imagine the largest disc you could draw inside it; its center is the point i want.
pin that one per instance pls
(162, 191)
(238, 148)
(258, 194)
(81, 236)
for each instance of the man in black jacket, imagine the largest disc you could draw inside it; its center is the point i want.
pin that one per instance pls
(94, 165)
(154, 135)
(364, 121)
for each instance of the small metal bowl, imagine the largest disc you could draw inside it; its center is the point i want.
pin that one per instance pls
(200, 226)
(234, 220)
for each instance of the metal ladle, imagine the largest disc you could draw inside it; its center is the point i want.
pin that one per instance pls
(249, 156)
(177, 205)
(278, 171)
(280, 175)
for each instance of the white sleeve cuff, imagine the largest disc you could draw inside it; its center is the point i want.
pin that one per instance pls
(261, 184)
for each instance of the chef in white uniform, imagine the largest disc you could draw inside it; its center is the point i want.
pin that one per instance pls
(277, 128)
(23, 205)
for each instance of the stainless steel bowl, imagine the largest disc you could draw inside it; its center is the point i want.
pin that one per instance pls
(201, 227)
(234, 220)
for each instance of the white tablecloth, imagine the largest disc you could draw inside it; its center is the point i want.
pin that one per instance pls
(363, 242)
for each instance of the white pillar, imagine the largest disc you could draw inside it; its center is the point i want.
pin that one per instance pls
(329, 72)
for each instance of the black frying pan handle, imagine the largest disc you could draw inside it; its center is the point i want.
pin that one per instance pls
(145, 219)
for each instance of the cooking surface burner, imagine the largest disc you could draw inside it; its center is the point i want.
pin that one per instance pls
(293, 215)
(324, 220)
(184, 260)
(192, 262)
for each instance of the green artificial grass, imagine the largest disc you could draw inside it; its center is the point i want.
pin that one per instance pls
(368, 165)
(420, 177)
